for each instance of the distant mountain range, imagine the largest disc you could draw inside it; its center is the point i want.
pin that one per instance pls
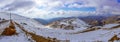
(23, 29)
(67, 24)
(45, 22)
(101, 20)
(95, 20)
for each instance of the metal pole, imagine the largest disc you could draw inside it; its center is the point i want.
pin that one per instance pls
(10, 16)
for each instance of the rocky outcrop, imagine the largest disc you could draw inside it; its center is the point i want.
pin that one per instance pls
(95, 21)
(114, 38)
(9, 30)
(68, 24)
(112, 19)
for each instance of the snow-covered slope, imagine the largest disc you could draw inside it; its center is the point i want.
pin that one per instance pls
(20, 37)
(110, 25)
(20, 19)
(68, 23)
(20, 34)
(28, 30)
(77, 35)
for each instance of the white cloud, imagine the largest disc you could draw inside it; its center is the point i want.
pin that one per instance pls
(16, 5)
(5, 2)
(75, 5)
(46, 14)
(48, 8)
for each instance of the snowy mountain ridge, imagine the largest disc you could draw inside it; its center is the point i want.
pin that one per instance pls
(68, 23)
(29, 30)
(12, 30)
(19, 19)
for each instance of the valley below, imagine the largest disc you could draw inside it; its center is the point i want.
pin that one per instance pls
(83, 29)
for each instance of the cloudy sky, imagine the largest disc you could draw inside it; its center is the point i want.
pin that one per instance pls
(60, 8)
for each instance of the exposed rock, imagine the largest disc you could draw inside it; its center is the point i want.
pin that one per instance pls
(100, 21)
(68, 23)
(112, 19)
(69, 27)
(9, 30)
(114, 38)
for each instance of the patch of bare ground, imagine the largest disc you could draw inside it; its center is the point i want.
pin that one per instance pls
(87, 30)
(90, 29)
(11, 30)
(3, 21)
(37, 38)
(96, 28)
(8, 31)
(115, 27)
(114, 38)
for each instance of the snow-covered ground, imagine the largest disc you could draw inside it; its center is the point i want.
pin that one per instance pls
(3, 26)
(68, 24)
(20, 37)
(98, 35)
(110, 25)
(20, 19)
(73, 21)
(61, 34)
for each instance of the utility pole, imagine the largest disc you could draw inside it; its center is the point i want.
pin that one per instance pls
(10, 17)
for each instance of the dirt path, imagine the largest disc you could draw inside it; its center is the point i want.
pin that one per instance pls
(93, 29)
(115, 27)
(4, 21)
(35, 37)
(87, 30)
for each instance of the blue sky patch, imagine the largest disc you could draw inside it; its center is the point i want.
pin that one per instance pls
(80, 9)
(118, 1)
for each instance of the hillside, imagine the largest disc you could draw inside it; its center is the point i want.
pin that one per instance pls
(94, 20)
(12, 30)
(77, 30)
(22, 29)
(101, 20)
(68, 24)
